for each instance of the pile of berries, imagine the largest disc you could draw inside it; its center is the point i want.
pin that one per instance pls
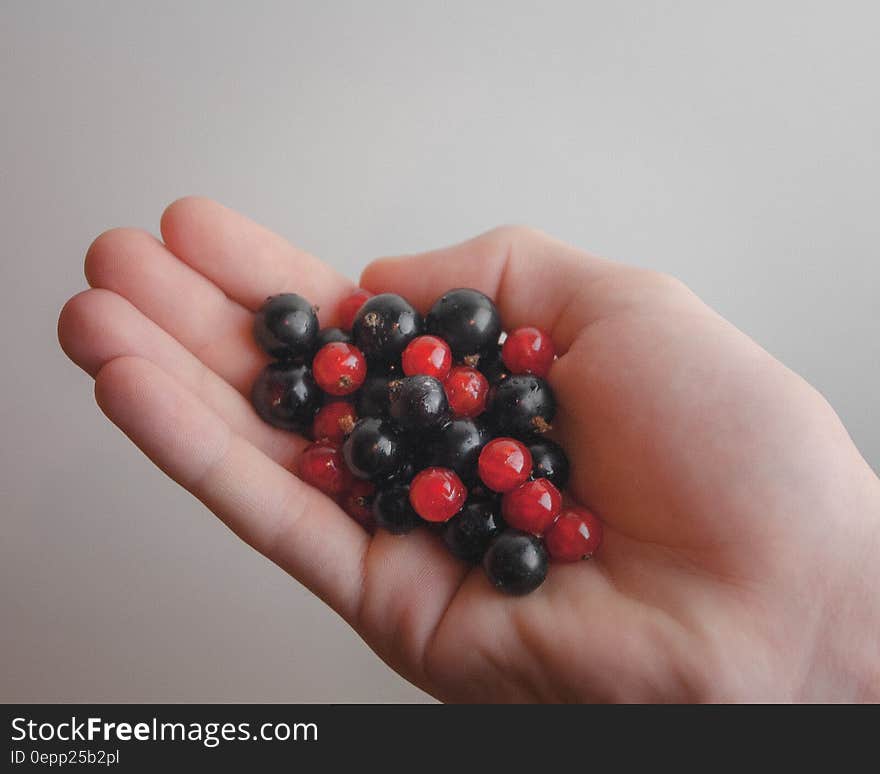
(437, 420)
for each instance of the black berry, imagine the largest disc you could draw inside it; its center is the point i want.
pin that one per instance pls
(468, 321)
(549, 461)
(457, 445)
(285, 395)
(522, 406)
(374, 450)
(286, 326)
(516, 562)
(384, 325)
(392, 510)
(372, 400)
(418, 402)
(468, 534)
(405, 473)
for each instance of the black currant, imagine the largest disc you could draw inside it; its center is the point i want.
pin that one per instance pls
(372, 399)
(393, 512)
(549, 461)
(405, 473)
(285, 395)
(374, 450)
(467, 534)
(467, 320)
(522, 406)
(418, 402)
(516, 562)
(384, 325)
(330, 336)
(457, 445)
(286, 326)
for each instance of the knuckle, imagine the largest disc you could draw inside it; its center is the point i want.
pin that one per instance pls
(662, 282)
(512, 233)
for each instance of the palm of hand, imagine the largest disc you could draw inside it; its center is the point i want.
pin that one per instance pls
(694, 445)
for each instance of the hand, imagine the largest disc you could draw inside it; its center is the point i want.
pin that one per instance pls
(741, 525)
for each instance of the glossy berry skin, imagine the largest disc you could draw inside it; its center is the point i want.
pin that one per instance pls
(532, 506)
(467, 535)
(339, 369)
(467, 391)
(467, 320)
(329, 336)
(417, 402)
(373, 400)
(504, 464)
(321, 465)
(357, 502)
(549, 461)
(374, 450)
(516, 562)
(392, 510)
(286, 396)
(522, 406)
(528, 351)
(286, 326)
(334, 421)
(457, 446)
(384, 325)
(427, 356)
(350, 306)
(404, 474)
(437, 494)
(577, 534)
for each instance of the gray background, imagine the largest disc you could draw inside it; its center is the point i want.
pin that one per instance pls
(732, 144)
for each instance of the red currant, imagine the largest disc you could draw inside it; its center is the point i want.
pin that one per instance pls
(427, 356)
(437, 494)
(322, 466)
(339, 368)
(532, 506)
(334, 421)
(504, 464)
(350, 306)
(577, 534)
(466, 390)
(358, 503)
(528, 351)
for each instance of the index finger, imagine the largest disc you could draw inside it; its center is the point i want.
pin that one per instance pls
(246, 260)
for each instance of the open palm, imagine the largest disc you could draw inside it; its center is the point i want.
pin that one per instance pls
(723, 479)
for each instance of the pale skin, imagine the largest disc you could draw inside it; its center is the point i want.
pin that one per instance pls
(742, 527)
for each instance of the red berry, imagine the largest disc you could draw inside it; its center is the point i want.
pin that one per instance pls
(577, 534)
(350, 306)
(466, 391)
(532, 506)
(504, 464)
(528, 351)
(427, 356)
(322, 466)
(437, 494)
(358, 503)
(339, 368)
(334, 421)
